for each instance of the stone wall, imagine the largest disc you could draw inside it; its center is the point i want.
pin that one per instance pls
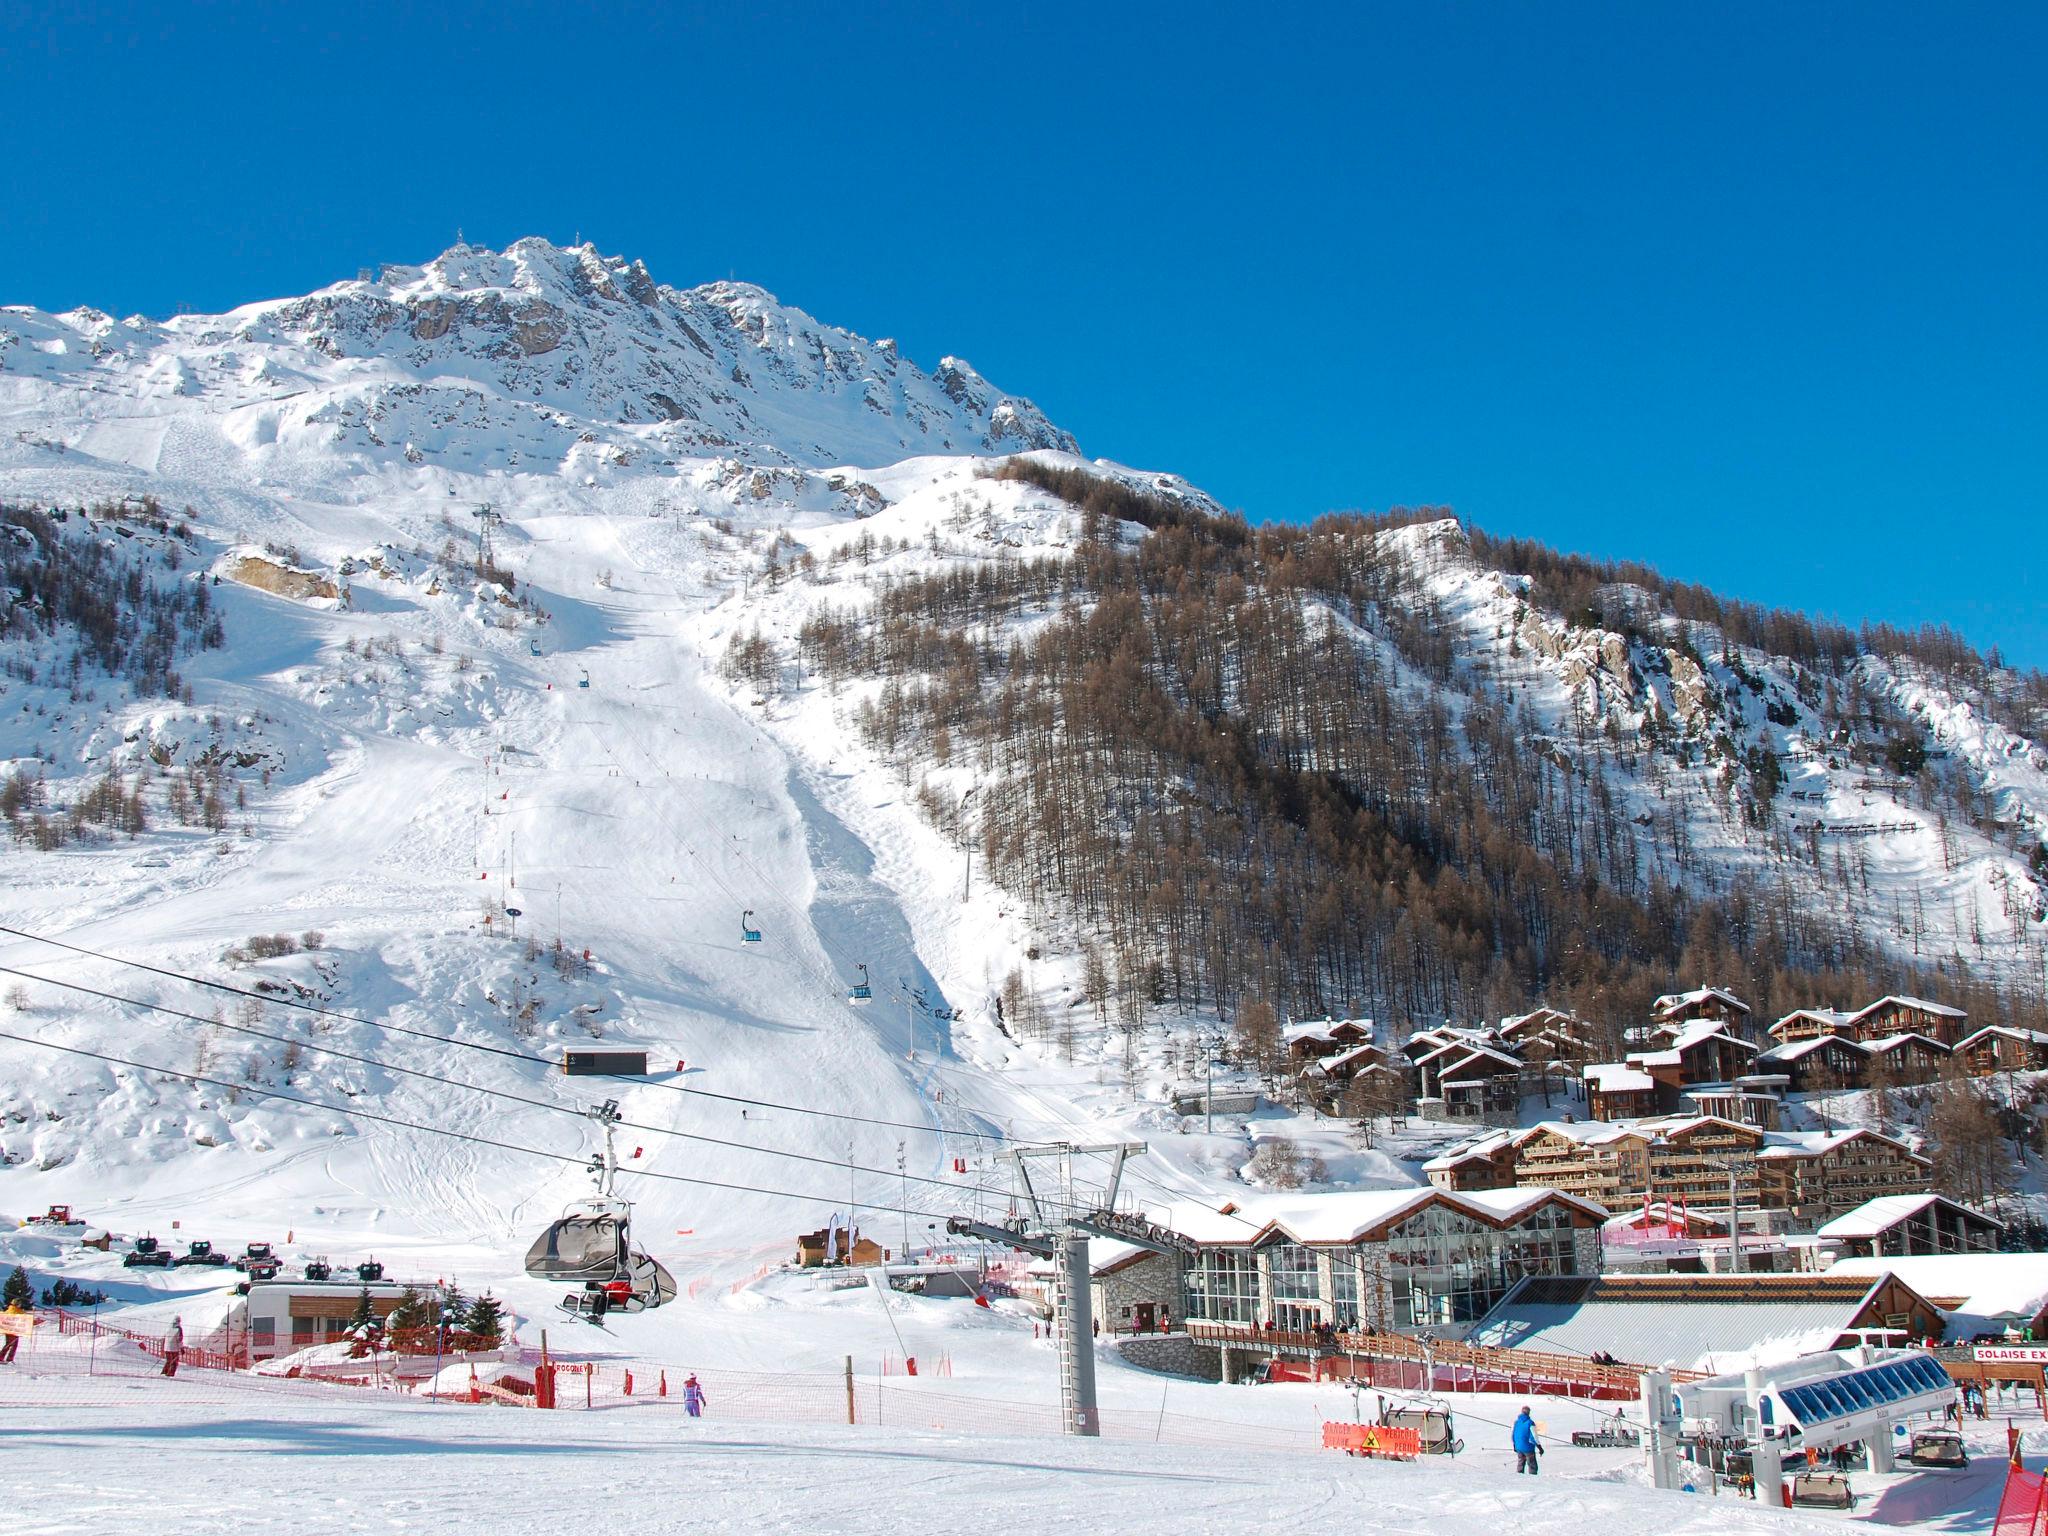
(1173, 1354)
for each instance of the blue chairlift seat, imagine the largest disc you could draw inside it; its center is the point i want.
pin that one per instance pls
(748, 933)
(862, 992)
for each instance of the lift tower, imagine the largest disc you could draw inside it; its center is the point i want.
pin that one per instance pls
(1054, 1216)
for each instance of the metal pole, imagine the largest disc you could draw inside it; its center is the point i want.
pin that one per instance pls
(1079, 1414)
(1209, 1091)
(1735, 1260)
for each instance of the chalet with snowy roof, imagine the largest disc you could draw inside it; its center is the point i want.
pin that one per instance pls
(1488, 1163)
(1547, 1034)
(1714, 1005)
(1817, 1175)
(1692, 1055)
(1617, 1090)
(1903, 1226)
(1810, 1024)
(1816, 1063)
(1907, 1058)
(2001, 1048)
(1982, 1295)
(1328, 1079)
(1780, 1177)
(1316, 1039)
(1883, 1019)
(1908, 1015)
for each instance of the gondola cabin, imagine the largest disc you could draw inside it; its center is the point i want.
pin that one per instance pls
(587, 1063)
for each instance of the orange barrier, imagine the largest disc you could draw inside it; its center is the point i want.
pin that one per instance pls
(1393, 1443)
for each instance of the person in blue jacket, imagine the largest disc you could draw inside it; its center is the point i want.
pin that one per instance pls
(1526, 1449)
(693, 1397)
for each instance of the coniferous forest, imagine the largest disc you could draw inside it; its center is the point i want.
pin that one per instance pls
(1252, 766)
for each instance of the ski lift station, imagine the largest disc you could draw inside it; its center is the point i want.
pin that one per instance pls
(1862, 1396)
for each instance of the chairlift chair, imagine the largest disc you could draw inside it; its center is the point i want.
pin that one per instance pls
(1937, 1448)
(1435, 1426)
(748, 933)
(1822, 1490)
(590, 1244)
(584, 680)
(862, 992)
(319, 1269)
(533, 646)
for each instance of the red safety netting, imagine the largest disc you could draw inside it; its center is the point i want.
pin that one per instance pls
(75, 1360)
(2023, 1507)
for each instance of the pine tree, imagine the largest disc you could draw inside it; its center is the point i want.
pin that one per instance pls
(410, 1315)
(17, 1289)
(486, 1322)
(365, 1315)
(452, 1310)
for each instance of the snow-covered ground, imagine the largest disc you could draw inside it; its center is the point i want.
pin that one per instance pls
(429, 782)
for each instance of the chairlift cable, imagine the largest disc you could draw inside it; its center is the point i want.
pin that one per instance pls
(472, 1045)
(578, 1160)
(448, 1082)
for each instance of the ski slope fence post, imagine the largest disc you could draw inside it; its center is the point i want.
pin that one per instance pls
(849, 1389)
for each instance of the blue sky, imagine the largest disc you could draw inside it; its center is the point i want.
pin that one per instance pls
(1753, 293)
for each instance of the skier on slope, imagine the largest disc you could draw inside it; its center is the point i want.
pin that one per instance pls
(10, 1343)
(693, 1397)
(174, 1346)
(1524, 1438)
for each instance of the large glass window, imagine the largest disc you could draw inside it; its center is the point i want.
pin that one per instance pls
(1223, 1286)
(1448, 1268)
(1296, 1274)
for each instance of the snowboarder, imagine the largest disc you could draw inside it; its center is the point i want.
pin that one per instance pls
(1524, 1437)
(174, 1346)
(10, 1344)
(693, 1397)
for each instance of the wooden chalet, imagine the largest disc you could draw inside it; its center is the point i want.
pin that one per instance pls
(829, 1246)
(1316, 1040)
(1900, 1226)
(1908, 1015)
(2001, 1048)
(1715, 1005)
(1909, 1058)
(1814, 1063)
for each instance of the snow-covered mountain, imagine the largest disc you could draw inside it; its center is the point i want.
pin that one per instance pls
(312, 714)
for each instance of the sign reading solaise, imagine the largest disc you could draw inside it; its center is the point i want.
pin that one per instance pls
(2012, 1354)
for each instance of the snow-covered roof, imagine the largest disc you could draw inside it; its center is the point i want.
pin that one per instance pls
(1672, 1002)
(1475, 1052)
(1618, 1077)
(1471, 1151)
(1939, 1010)
(1325, 1030)
(1981, 1292)
(2025, 1036)
(1895, 1042)
(1887, 1211)
(1347, 1216)
(1357, 1052)
(1827, 1018)
(1787, 1144)
(1800, 1048)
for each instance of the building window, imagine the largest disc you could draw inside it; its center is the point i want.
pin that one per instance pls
(1223, 1286)
(1296, 1276)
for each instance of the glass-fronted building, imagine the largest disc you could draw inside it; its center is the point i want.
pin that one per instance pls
(1403, 1260)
